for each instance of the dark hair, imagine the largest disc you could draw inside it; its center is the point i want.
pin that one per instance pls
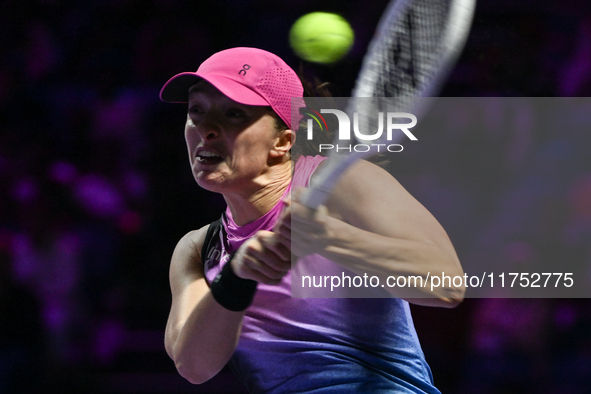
(304, 146)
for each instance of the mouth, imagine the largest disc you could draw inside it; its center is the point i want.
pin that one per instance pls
(207, 157)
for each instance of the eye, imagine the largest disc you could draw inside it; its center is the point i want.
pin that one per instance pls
(235, 113)
(195, 110)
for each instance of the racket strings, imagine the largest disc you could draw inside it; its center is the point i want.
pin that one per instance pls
(410, 51)
(415, 44)
(408, 57)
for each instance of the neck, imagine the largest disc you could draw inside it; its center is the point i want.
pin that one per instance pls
(267, 191)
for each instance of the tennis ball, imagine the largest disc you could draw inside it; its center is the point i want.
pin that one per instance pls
(321, 37)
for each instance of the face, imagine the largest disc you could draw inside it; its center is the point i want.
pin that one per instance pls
(230, 145)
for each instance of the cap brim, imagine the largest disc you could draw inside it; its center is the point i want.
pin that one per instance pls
(176, 90)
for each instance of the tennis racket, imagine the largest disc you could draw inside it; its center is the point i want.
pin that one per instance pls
(415, 45)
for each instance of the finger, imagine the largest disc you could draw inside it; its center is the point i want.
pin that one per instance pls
(260, 277)
(284, 235)
(301, 250)
(274, 249)
(306, 230)
(283, 232)
(285, 215)
(303, 244)
(269, 258)
(297, 193)
(248, 267)
(287, 200)
(283, 226)
(267, 247)
(304, 214)
(280, 246)
(264, 269)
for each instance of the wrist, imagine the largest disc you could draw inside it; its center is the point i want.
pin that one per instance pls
(231, 291)
(338, 233)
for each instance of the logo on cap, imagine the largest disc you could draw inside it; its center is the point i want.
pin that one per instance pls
(244, 68)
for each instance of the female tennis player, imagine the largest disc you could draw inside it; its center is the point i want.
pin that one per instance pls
(230, 280)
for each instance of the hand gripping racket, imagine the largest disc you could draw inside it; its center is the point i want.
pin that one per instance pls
(415, 45)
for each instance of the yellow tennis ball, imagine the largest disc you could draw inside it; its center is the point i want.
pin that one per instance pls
(321, 37)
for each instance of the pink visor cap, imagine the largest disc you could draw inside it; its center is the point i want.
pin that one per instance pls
(248, 76)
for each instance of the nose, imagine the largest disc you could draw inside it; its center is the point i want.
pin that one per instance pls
(207, 128)
(207, 133)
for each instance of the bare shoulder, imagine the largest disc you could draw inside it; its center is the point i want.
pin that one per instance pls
(186, 259)
(193, 240)
(362, 176)
(365, 185)
(370, 198)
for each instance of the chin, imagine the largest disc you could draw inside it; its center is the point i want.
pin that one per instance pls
(206, 182)
(208, 185)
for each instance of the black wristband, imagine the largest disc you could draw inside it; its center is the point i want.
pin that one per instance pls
(231, 291)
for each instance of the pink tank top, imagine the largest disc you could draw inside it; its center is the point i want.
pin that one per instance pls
(233, 235)
(319, 345)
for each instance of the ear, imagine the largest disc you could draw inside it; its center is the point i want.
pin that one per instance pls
(283, 143)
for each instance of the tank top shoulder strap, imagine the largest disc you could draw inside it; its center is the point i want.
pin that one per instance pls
(212, 233)
(304, 169)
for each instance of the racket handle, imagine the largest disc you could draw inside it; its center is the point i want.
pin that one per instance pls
(325, 180)
(313, 198)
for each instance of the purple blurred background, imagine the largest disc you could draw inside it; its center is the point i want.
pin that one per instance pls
(96, 188)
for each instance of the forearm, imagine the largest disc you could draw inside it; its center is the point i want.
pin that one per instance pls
(202, 342)
(365, 252)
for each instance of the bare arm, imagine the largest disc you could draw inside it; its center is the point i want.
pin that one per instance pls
(200, 334)
(372, 225)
